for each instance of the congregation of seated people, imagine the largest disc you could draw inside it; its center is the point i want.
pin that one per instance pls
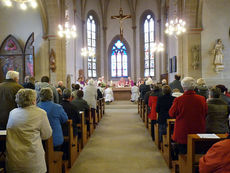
(196, 108)
(35, 111)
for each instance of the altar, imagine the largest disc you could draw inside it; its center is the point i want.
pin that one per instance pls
(123, 93)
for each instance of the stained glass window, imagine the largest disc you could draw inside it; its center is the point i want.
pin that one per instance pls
(91, 45)
(119, 60)
(149, 39)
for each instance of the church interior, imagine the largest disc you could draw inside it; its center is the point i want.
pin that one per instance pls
(112, 42)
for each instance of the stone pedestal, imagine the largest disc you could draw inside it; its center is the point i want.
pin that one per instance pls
(219, 68)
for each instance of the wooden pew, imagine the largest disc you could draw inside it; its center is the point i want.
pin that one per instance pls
(167, 146)
(3, 148)
(196, 148)
(146, 116)
(71, 141)
(99, 116)
(83, 128)
(91, 125)
(156, 135)
(103, 106)
(94, 117)
(141, 108)
(138, 105)
(53, 158)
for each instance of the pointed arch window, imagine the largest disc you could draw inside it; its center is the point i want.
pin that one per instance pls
(91, 45)
(119, 60)
(149, 39)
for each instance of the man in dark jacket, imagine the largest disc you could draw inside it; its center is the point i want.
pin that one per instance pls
(222, 95)
(8, 90)
(176, 84)
(164, 103)
(218, 110)
(80, 103)
(71, 111)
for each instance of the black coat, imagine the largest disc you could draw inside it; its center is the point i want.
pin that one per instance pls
(73, 114)
(164, 103)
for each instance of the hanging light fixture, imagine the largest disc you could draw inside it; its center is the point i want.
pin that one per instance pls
(87, 52)
(157, 47)
(66, 30)
(176, 25)
(23, 4)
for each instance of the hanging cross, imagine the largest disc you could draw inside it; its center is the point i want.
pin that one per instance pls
(121, 17)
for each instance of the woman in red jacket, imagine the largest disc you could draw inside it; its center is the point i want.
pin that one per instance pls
(190, 111)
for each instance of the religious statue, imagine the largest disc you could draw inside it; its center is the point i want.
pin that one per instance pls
(218, 56)
(218, 52)
(121, 17)
(196, 56)
(52, 61)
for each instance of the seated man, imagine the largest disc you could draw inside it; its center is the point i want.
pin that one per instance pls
(71, 110)
(56, 116)
(79, 102)
(218, 110)
(190, 111)
(217, 159)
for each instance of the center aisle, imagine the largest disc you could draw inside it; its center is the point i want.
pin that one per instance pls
(120, 144)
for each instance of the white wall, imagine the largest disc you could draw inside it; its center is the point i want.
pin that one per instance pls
(21, 24)
(216, 25)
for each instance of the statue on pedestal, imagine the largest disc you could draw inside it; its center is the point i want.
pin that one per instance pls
(218, 56)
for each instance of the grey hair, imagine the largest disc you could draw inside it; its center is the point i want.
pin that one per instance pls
(200, 82)
(25, 97)
(188, 83)
(91, 82)
(12, 75)
(66, 93)
(46, 94)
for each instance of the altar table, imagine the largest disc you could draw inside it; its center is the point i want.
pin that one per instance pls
(122, 93)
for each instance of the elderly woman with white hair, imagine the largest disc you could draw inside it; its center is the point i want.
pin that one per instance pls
(90, 94)
(201, 88)
(27, 126)
(190, 112)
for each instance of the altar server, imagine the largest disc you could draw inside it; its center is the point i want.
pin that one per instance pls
(108, 94)
(135, 93)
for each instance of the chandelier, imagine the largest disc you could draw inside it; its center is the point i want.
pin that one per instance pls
(87, 52)
(157, 47)
(67, 30)
(22, 3)
(175, 26)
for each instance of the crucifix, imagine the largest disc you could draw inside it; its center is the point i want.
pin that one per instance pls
(121, 17)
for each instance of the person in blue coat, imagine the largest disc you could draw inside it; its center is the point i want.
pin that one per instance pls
(56, 116)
